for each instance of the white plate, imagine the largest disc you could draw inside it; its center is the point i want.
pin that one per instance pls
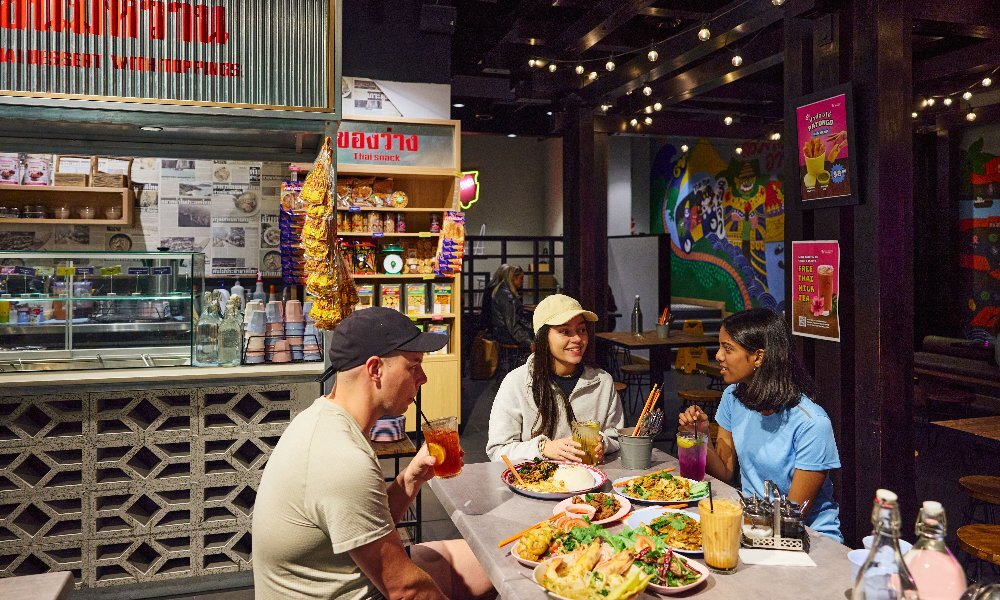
(651, 513)
(536, 576)
(621, 491)
(670, 591)
(623, 510)
(582, 478)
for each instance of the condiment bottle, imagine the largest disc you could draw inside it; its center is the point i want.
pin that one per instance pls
(884, 575)
(231, 335)
(206, 352)
(258, 293)
(934, 568)
(636, 317)
(237, 291)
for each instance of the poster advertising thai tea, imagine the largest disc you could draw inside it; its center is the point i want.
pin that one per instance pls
(824, 168)
(816, 289)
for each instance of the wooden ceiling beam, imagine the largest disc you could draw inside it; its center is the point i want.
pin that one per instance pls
(951, 29)
(729, 26)
(594, 26)
(968, 12)
(673, 13)
(971, 59)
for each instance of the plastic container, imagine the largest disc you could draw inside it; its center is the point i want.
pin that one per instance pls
(113, 213)
(62, 212)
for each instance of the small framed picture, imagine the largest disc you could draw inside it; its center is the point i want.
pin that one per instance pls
(827, 154)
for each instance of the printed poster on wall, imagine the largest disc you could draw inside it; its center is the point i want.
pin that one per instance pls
(816, 289)
(825, 165)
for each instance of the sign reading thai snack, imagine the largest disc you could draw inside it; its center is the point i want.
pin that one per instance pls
(272, 54)
(826, 168)
(400, 144)
(816, 289)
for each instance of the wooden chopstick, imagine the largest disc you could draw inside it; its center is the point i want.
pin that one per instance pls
(645, 408)
(514, 471)
(628, 481)
(517, 535)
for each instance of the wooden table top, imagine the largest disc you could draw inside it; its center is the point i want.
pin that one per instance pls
(986, 427)
(648, 339)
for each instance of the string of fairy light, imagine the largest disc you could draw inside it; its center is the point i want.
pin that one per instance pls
(965, 94)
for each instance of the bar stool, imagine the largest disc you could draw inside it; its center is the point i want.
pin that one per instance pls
(509, 358)
(983, 543)
(708, 400)
(984, 493)
(715, 381)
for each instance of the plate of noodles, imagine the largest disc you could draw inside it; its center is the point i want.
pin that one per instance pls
(554, 480)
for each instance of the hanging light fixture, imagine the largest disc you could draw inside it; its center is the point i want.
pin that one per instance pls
(592, 75)
(776, 136)
(930, 101)
(728, 120)
(987, 82)
(739, 150)
(967, 96)
(657, 106)
(704, 34)
(633, 122)
(647, 91)
(605, 107)
(532, 62)
(737, 60)
(914, 114)
(610, 65)
(923, 103)
(684, 148)
(579, 69)
(648, 120)
(947, 101)
(552, 67)
(648, 110)
(970, 116)
(777, 2)
(653, 55)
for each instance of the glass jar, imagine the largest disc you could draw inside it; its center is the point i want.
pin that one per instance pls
(113, 213)
(34, 211)
(62, 212)
(87, 212)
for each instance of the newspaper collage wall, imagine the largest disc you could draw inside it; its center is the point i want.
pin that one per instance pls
(226, 209)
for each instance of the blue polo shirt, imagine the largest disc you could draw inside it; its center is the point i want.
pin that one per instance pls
(772, 447)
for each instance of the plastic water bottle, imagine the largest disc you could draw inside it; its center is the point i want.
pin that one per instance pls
(884, 575)
(636, 317)
(258, 293)
(237, 291)
(934, 568)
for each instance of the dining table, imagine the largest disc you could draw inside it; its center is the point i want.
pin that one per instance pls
(485, 511)
(659, 348)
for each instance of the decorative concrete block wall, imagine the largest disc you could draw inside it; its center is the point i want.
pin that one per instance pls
(135, 486)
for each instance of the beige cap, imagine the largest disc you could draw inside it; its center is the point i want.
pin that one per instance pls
(558, 309)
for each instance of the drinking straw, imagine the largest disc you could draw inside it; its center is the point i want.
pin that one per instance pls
(663, 316)
(426, 420)
(645, 408)
(711, 505)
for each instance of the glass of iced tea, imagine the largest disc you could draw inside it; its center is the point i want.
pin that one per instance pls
(721, 526)
(588, 435)
(441, 436)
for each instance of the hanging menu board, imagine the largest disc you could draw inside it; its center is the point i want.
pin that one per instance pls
(266, 54)
(396, 144)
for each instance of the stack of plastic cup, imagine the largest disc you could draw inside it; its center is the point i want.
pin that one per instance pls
(295, 326)
(311, 338)
(254, 335)
(275, 328)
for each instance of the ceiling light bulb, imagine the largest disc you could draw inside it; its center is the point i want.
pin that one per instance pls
(923, 103)
(704, 34)
(684, 147)
(648, 91)
(532, 62)
(737, 60)
(648, 120)
(610, 65)
(987, 82)
(970, 116)
(653, 55)
(549, 113)
(552, 67)
(579, 69)
(592, 75)
(967, 96)
(776, 136)
(633, 122)
(605, 107)
(777, 2)
(739, 150)
(648, 110)
(931, 101)
(657, 106)
(947, 101)
(728, 120)
(458, 105)
(914, 114)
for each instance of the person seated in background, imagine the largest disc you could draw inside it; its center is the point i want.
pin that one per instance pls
(768, 419)
(537, 401)
(507, 321)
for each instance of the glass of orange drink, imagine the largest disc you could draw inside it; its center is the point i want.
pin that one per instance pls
(441, 436)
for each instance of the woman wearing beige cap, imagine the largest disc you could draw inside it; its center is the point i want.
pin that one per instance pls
(537, 401)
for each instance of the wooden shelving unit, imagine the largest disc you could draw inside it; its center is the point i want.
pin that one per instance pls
(74, 197)
(430, 190)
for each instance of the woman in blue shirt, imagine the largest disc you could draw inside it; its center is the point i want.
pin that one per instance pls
(768, 419)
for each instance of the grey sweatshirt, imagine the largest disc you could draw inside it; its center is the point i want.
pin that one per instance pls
(515, 414)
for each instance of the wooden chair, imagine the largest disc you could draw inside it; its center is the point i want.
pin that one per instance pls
(983, 543)
(708, 400)
(984, 493)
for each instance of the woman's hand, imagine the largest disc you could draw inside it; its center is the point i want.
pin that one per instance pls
(691, 419)
(563, 449)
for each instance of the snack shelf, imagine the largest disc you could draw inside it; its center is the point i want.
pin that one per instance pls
(373, 234)
(426, 276)
(72, 196)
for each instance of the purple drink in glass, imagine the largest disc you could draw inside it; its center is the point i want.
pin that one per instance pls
(691, 452)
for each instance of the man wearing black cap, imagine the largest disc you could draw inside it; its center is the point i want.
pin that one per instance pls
(324, 519)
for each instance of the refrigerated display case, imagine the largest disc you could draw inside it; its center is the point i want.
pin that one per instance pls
(97, 310)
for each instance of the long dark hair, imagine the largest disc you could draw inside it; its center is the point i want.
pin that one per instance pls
(780, 381)
(547, 396)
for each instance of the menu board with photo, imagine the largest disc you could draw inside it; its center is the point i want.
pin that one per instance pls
(826, 162)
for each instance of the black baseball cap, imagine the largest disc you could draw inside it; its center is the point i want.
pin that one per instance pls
(376, 331)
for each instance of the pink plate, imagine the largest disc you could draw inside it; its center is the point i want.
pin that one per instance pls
(624, 509)
(670, 591)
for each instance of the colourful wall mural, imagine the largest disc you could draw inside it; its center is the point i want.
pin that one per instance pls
(979, 237)
(725, 217)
